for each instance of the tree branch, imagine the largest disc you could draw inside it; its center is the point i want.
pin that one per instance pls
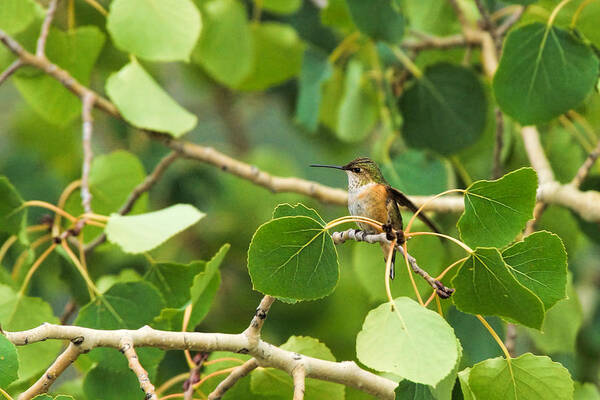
(126, 347)
(298, 376)
(11, 69)
(86, 115)
(253, 331)
(585, 168)
(235, 375)
(266, 354)
(45, 30)
(360, 236)
(536, 155)
(510, 21)
(54, 371)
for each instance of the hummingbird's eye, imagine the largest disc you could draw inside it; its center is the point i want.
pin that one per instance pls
(357, 170)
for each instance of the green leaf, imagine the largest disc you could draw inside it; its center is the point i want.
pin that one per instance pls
(417, 172)
(143, 232)
(337, 15)
(293, 257)
(145, 104)
(19, 313)
(277, 56)
(275, 382)
(76, 51)
(282, 6)
(48, 397)
(586, 391)
(12, 220)
(16, 15)
(174, 280)
(561, 326)
(164, 30)
(9, 363)
(129, 305)
(539, 263)
(463, 378)
(485, 285)
(205, 287)
(526, 377)
(224, 49)
(106, 384)
(588, 22)
(431, 16)
(379, 19)
(316, 69)
(497, 211)
(113, 177)
(288, 210)
(358, 111)
(389, 339)
(445, 110)
(544, 72)
(418, 391)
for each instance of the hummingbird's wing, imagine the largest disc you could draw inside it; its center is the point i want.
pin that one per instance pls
(404, 201)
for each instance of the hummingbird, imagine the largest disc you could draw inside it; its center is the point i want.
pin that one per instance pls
(369, 195)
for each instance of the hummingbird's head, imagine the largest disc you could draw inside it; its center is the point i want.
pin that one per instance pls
(360, 171)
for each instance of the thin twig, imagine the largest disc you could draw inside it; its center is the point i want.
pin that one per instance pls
(126, 347)
(298, 375)
(86, 115)
(68, 311)
(536, 155)
(486, 22)
(497, 168)
(235, 375)
(585, 168)
(11, 69)
(56, 369)
(188, 385)
(510, 21)
(426, 42)
(137, 192)
(45, 30)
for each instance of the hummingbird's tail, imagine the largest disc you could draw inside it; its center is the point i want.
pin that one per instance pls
(386, 249)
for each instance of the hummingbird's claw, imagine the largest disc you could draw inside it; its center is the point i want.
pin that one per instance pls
(389, 231)
(443, 291)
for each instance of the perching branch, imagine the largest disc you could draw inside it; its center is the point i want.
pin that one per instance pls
(253, 331)
(235, 375)
(360, 236)
(56, 369)
(126, 347)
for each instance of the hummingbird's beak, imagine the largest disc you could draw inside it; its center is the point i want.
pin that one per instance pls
(327, 166)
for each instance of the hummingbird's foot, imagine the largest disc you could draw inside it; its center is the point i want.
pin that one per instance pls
(389, 231)
(400, 236)
(443, 291)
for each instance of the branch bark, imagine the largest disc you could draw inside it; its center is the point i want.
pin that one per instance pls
(11, 69)
(298, 376)
(54, 371)
(40, 50)
(235, 375)
(86, 115)
(126, 347)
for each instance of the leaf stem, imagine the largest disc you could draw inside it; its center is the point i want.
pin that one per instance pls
(495, 336)
(388, 268)
(52, 207)
(407, 62)
(21, 259)
(440, 276)
(97, 6)
(6, 246)
(343, 47)
(98, 217)
(187, 314)
(407, 230)
(80, 267)
(5, 394)
(62, 200)
(354, 218)
(34, 267)
(223, 359)
(555, 12)
(174, 380)
(458, 242)
(211, 375)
